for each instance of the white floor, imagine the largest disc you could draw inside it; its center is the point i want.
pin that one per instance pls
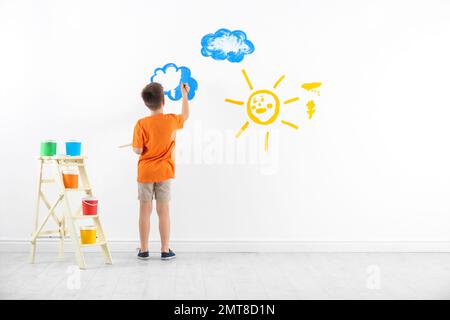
(230, 276)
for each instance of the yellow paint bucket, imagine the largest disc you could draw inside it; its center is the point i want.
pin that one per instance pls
(88, 234)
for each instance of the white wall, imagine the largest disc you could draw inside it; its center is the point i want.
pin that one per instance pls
(372, 165)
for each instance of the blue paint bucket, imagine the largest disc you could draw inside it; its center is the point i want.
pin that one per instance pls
(73, 148)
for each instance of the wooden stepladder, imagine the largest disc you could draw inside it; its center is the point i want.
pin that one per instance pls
(66, 222)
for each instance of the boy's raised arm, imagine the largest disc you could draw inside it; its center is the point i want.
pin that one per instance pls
(185, 103)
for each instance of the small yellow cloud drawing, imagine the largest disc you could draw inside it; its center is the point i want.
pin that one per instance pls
(312, 87)
(310, 104)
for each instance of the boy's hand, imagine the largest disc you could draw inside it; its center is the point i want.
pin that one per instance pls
(185, 90)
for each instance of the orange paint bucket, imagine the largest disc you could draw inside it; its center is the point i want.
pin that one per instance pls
(88, 234)
(70, 179)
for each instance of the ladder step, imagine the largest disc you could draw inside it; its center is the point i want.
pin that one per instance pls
(48, 181)
(62, 157)
(52, 237)
(85, 216)
(79, 189)
(72, 164)
(99, 243)
(48, 232)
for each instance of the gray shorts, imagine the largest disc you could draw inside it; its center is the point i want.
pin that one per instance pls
(154, 190)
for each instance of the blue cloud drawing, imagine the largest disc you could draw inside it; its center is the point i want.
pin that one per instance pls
(227, 45)
(171, 77)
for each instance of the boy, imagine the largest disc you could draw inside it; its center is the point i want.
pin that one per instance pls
(154, 141)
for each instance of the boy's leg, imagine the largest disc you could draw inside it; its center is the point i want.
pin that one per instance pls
(145, 209)
(162, 208)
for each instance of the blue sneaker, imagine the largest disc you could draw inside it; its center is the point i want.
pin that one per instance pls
(143, 255)
(168, 255)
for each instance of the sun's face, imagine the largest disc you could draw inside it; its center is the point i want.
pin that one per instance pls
(263, 107)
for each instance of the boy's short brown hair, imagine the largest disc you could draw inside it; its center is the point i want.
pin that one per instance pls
(153, 95)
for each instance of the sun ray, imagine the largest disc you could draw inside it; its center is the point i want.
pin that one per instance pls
(242, 129)
(247, 79)
(266, 142)
(289, 124)
(240, 103)
(278, 81)
(291, 100)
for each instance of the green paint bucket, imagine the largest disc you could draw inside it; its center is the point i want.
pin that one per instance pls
(48, 148)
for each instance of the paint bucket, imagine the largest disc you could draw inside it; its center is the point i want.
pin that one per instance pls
(89, 206)
(48, 148)
(70, 179)
(73, 148)
(88, 234)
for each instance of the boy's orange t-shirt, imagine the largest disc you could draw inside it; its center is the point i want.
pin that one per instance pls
(156, 136)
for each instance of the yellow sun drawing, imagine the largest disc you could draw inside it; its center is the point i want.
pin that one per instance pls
(263, 107)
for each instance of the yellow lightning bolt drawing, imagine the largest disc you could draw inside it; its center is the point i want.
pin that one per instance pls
(310, 104)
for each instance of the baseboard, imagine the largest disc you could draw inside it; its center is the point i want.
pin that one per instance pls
(51, 245)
